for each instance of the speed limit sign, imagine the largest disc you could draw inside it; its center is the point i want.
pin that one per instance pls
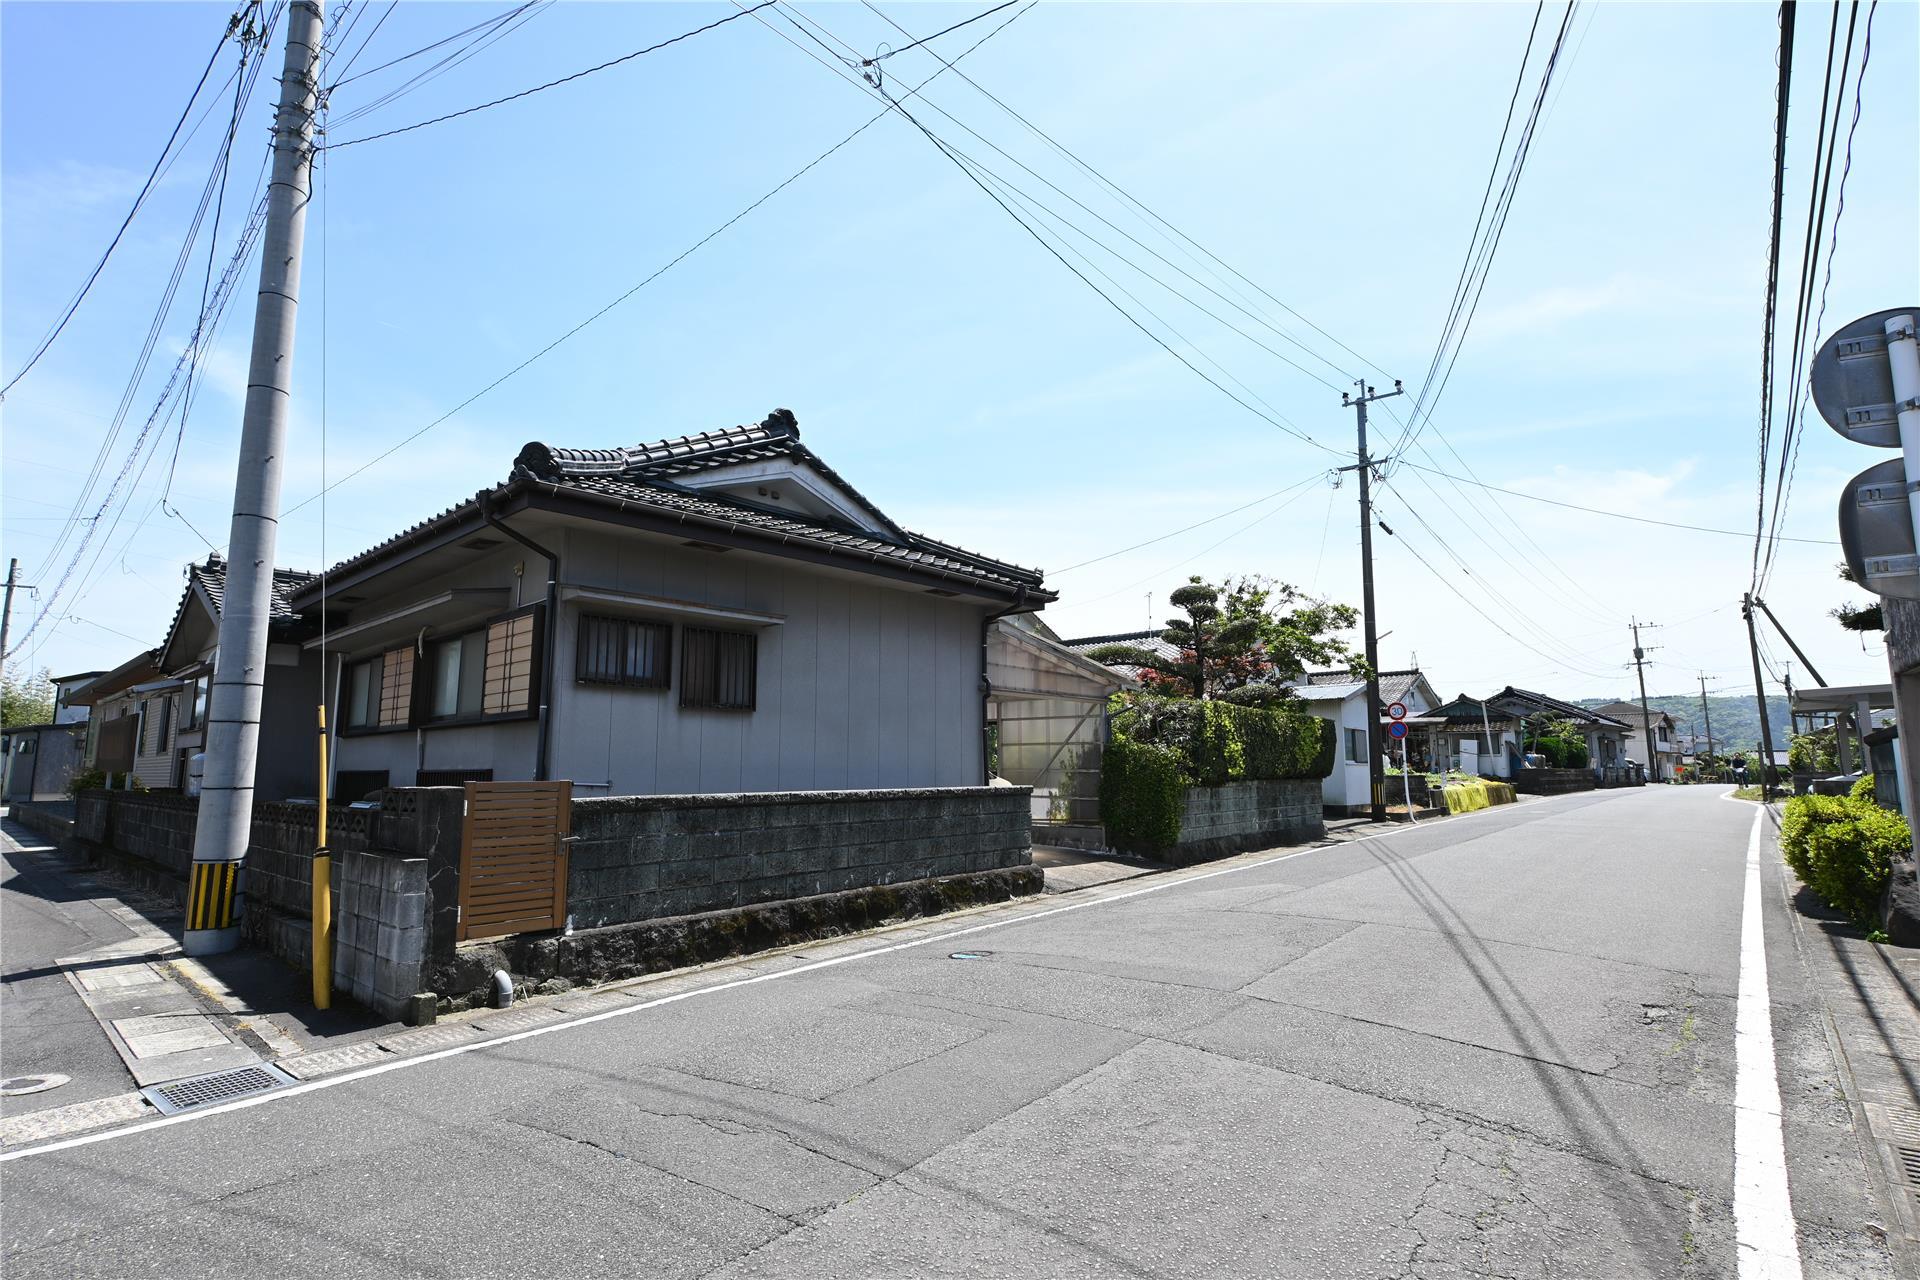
(1397, 710)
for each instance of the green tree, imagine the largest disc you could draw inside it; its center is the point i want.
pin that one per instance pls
(26, 699)
(1241, 640)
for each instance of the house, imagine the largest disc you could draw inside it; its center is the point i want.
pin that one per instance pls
(1666, 746)
(720, 612)
(1339, 697)
(131, 721)
(1153, 642)
(1491, 736)
(66, 710)
(287, 761)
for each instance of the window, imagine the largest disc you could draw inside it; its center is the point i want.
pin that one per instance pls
(508, 686)
(624, 652)
(456, 675)
(197, 698)
(1356, 746)
(718, 668)
(158, 722)
(380, 691)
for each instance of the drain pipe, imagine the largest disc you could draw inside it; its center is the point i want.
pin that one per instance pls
(1019, 605)
(552, 631)
(502, 989)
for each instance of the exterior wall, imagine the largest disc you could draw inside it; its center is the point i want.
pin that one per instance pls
(1348, 786)
(1237, 816)
(153, 758)
(41, 762)
(646, 857)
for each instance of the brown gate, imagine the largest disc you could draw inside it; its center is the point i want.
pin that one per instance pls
(513, 858)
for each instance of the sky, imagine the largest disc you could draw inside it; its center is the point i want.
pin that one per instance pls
(1332, 156)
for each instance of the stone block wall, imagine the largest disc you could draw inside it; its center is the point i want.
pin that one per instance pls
(1237, 816)
(640, 858)
(1552, 782)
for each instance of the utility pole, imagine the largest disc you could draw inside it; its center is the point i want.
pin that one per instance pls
(1376, 771)
(233, 716)
(1760, 693)
(6, 613)
(1646, 715)
(1705, 714)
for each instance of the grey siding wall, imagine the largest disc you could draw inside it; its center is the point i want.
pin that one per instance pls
(288, 761)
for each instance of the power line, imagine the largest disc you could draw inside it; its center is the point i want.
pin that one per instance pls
(233, 25)
(1782, 94)
(1612, 515)
(682, 256)
(552, 84)
(878, 57)
(491, 32)
(1231, 511)
(488, 24)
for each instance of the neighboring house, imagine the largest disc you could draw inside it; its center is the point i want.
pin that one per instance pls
(1048, 708)
(1488, 735)
(715, 613)
(1666, 745)
(65, 690)
(1339, 697)
(132, 716)
(1154, 642)
(38, 760)
(286, 763)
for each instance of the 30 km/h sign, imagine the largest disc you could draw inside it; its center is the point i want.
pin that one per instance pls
(1398, 711)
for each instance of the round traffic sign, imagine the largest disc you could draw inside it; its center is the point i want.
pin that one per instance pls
(1397, 710)
(1398, 729)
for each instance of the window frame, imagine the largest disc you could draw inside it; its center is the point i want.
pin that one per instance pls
(624, 679)
(420, 691)
(689, 637)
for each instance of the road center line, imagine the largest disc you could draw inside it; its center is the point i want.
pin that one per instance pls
(1160, 884)
(1764, 1237)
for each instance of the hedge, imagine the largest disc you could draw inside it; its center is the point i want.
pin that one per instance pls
(1843, 849)
(1161, 746)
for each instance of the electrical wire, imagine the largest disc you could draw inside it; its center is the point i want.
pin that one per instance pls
(487, 24)
(1231, 511)
(936, 35)
(553, 84)
(1782, 96)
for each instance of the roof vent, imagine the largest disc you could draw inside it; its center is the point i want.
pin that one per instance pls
(481, 543)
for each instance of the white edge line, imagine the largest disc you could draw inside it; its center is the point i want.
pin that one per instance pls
(1765, 1238)
(814, 966)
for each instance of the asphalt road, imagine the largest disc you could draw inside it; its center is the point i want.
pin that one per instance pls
(1500, 1044)
(44, 1025)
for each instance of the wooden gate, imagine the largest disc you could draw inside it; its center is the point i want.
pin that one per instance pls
(513, 858)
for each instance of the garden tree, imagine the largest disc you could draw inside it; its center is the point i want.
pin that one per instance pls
(1558, 739)
(26, 699)
(1241, 641)
(1864, 618)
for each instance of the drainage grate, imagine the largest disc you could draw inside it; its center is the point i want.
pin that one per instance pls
(1909, 1163)
(222, 1086)
(1903, 1123)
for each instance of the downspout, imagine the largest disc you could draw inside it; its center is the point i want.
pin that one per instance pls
(1019, 605)
(547, 641)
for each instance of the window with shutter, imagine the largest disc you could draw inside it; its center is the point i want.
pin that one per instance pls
(396, 688)
(508, 686)
(718, 669)
(623, 651)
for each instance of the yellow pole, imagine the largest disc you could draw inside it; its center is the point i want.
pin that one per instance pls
(322, 891)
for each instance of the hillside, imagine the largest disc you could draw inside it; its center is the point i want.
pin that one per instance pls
(1736, 720)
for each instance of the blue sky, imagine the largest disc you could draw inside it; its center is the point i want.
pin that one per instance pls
(939, 357)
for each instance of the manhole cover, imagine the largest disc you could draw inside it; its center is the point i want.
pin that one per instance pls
(14, 1086)
(970, 955)
(194, 1092)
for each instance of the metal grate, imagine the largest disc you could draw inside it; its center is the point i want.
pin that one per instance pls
(1909, 1163)
(194, 1092)
(1905, 1124)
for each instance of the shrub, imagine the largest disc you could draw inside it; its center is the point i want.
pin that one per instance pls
(1863, 789)
(1222, 742)
(1843, 848)
(1142, 786)
(86, 780)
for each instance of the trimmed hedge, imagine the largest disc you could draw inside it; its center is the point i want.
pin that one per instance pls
(1843, 849)
(1161, 746)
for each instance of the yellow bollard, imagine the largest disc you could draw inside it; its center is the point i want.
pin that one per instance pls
(322, 891)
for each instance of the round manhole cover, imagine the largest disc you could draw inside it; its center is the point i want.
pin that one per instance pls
(13, 1086)
(970, 955)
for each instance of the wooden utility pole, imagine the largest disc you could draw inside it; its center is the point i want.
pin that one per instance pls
(1376, 768)
(239, 669)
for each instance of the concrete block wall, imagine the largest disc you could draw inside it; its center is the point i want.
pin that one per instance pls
(638, 858)
(1552, 782)
(380, 929)
(1247, 815)
(155, 828)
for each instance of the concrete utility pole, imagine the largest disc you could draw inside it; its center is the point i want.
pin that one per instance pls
(1376, 771)
(1760, 694)
(233, 716)
(6, 614)
(1705, 714)
(1646, 715)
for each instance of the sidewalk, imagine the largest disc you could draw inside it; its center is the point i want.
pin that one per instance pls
(1871, 993)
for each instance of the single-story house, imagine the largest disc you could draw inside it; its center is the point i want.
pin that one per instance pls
(714, 613)
(287, 761)
(66, 691)
(1340, 697)
(1666, 747)
(131, 721)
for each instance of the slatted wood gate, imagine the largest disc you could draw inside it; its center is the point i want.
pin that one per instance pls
(513, 858)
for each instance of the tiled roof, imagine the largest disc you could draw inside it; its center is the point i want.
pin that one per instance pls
(1567, 709)
(1154, 642)
(212, 576)
(1630, 712)
(1394, 685)
(643, 477)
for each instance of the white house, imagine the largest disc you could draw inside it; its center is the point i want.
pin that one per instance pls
(1337, 696)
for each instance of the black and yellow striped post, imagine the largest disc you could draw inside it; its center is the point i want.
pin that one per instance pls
(322, 891)
(212, 893)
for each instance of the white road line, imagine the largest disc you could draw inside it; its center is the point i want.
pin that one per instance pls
(1764, 1237)
(1171, 881)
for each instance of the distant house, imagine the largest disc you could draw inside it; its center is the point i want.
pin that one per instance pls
(1153, 642)
(1339, 697)
(66, 689)
(1666, 743)
(291, 692)
(713, 613)
(1489, 735)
